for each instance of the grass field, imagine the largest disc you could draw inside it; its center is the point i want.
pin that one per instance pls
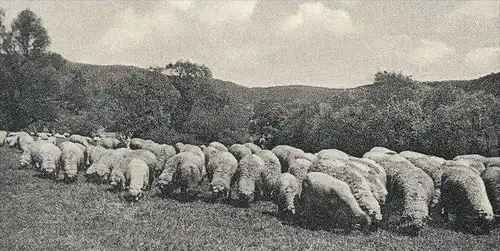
(40, 214)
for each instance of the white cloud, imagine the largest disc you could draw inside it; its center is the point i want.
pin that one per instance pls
(429, 52)
(484, 59)
(316, 16)
(471, 14)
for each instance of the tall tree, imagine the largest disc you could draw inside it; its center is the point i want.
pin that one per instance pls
(28, 38)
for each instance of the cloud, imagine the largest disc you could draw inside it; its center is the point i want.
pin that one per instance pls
(472, 15)
(484, 59)
(430, 52)
(316, 17)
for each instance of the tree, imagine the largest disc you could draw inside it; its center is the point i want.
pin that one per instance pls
(27, 38)
(185, 69)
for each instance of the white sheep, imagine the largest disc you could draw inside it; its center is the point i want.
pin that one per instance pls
(331, 154)
(381, 149)
(24, 140)
(248, 183)
(253, 147)
(271, 171)
(330, 201)
(284, 153)
(108, 143)
(135, 179)
(410, 190)
(463, 193)
(299, 168)
(44, 155)
(120, 166)
(491, 179)
(72, 159)
(184, 170)
(223, 166)
(286, 193)
(94, 153)
(218, 146)
(239, 151)
(180, 147)
(3, 136)
(377, 185)
(75, 138)
(210, 152)
(360, 187)
(102, 168)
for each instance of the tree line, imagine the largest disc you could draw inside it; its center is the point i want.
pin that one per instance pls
(181, 102)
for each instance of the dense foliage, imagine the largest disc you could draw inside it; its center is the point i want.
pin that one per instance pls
(182, 102)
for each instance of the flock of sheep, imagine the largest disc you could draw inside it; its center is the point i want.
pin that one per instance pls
(328, 188)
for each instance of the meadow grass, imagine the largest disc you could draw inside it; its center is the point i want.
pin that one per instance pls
(40, 214)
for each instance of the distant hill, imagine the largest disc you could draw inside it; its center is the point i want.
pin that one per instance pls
(489, 84)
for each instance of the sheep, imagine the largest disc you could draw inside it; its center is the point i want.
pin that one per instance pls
(180, 147)
(3, 136)
(410, 155)
(381, 149)
(59, 136)
(253, 147)
(376, 169)
(218, 146)
(271, 171)
(309, 156)
(299, 168)
(247, 184)
(94, 153)
(377, 186)
(24, 140)
(331, 154)
(286, 193)
(102, 168)
(120, 166)
(44, 155)
(163, 152)
(463, 193)
(210, 152)
(184, 170)
(239, 151)
(434, 169)
(283, 152)
(223, 166)
(75, 138)
(44, 135)
(11, 139)
(137, 143)
(475, 157)
(492, 161)
(330, 200)
(108, 143)
(72, 159)
(360, 187)
(410, 189)
(135, 179)
(491, 179)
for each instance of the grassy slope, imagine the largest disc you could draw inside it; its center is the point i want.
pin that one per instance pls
(38, 214)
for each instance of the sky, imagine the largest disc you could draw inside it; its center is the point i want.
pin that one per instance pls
(258, 43)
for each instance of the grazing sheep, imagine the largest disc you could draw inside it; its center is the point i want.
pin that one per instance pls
(210, 153)
(299, 168)
(135, 179)
(329, 200)
(3, 136)
(239, 151)
(94, 153)
(360, 187)
(475, 157)
(75, 138)
(309, 156)
(491, 179)
(137, 143)
(121, 165)
(101, 169)
(72, 159)
(492, 161)
(434, 169)
(410, 155)
(108, 143)
(284, 152)
(410, 191)
(271, 171)
(24, 140)
(331, 154)
(184, 170)
(253, 147)
(223, 166)
(376, 169)
(377, 186)
(248, 182)
(381, 149)
(190, 148)
(44, 155)
(218, 146)
(463, 193)
(59, 136)
(286, 193)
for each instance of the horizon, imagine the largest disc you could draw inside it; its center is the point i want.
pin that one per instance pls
(338, 44)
